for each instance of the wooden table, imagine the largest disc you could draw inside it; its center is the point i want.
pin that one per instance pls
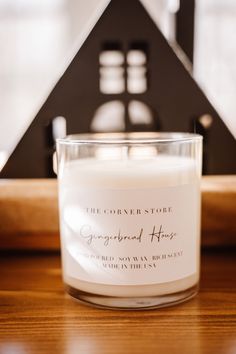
(37, 316)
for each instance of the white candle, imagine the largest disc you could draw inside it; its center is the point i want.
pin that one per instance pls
(130, 228)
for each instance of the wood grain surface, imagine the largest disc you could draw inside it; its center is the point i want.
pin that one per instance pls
(29, 213)
(38, 317)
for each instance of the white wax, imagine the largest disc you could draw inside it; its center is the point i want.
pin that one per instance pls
(158, 172)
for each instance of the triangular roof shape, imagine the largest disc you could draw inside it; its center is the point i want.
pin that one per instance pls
(172, 92)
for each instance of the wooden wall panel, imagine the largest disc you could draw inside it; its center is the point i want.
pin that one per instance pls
(29, 213)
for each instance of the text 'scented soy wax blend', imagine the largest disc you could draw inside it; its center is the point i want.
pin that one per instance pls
(130, 217)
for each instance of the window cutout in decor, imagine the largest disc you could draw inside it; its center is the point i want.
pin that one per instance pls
(111, 58)
(112, 73)
(137, 79)
(137, 68)
(58, 128)
(140, 113)
(109, 117)
(206, 121)
(136, 57)
(112, 80)
(204, 125)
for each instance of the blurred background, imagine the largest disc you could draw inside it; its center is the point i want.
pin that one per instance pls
(39, 37)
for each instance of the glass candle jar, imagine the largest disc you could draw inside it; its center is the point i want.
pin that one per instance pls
(130, 217)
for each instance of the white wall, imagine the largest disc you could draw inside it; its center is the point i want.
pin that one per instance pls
(215, 55)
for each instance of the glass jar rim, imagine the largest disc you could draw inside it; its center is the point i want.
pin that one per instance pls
(129, 138)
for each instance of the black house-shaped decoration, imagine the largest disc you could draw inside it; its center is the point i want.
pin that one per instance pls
(124, 77)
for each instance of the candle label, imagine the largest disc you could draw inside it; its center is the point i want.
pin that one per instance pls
(131, 236)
